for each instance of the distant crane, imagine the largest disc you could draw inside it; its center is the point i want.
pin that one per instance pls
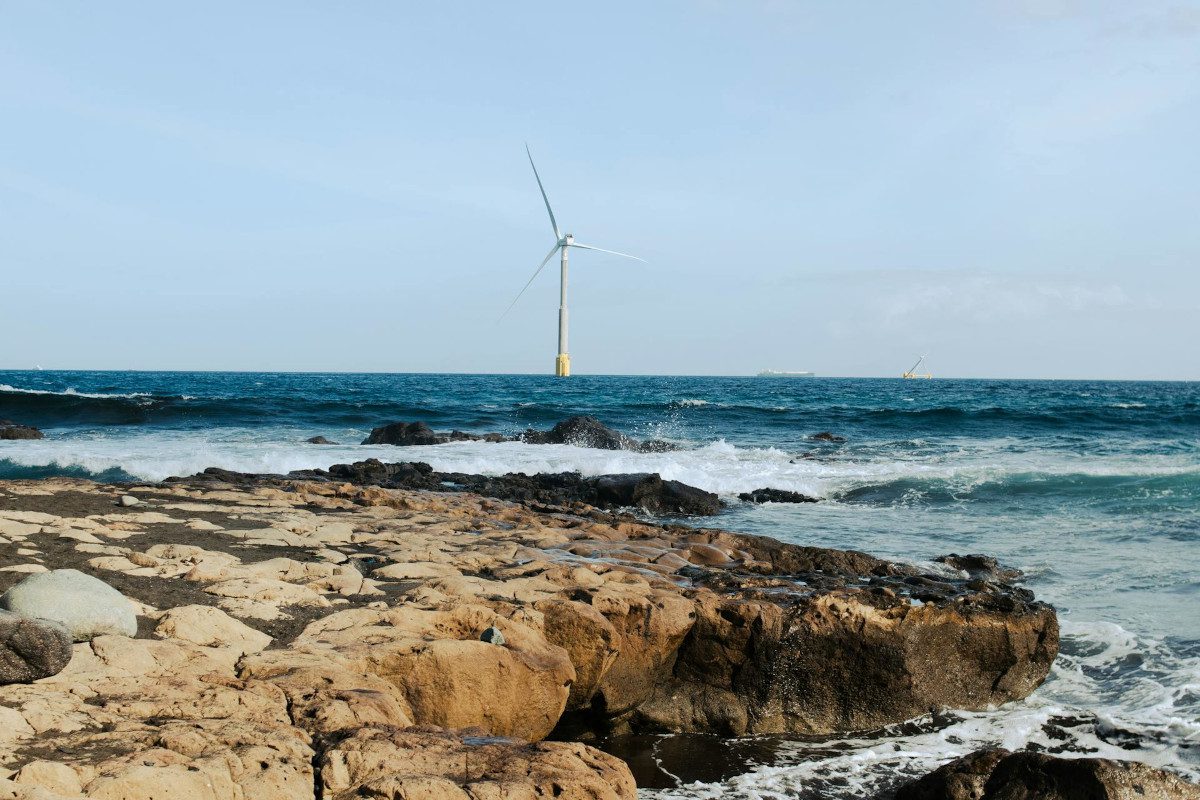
(562, 364)
(912, 371)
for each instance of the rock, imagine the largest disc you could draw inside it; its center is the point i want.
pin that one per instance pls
(444, 673)
(440, 765)
(826, 436)
(210, 627)
(86, 606)
(405, 434)
(776, 496)
(31, 649)
(128, 500)
(1001, 775)
(319, 440)
(492, 636)
(647, 491)
(650, 492)
(582, 431)
(413, 434)
(980, 567)
(843, 659)
(11, 430)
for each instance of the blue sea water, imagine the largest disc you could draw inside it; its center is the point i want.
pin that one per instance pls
(1091, 487)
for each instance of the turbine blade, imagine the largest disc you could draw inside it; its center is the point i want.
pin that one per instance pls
(602, 250)
(550, 211)
(545, 261)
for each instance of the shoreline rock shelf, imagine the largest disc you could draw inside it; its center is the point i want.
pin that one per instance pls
(302, 638)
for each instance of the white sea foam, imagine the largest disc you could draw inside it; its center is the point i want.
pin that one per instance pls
(717, 467)
(70, 392)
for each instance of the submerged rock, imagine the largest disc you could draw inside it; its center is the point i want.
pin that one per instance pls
(827, 436)
(31, 649)
(776, 496)
(12, 430)
(318, 440)
(1002, 775)
(86, 606)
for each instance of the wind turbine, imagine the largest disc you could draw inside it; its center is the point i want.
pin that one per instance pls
(562, 242)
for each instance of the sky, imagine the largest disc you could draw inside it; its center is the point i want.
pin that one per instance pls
(1008, 186)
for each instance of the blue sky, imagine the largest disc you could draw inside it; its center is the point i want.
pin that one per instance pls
(1010, 187)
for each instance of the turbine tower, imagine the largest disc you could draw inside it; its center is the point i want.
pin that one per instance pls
(562, 242)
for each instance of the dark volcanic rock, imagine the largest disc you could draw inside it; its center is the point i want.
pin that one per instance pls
(319, 440)
(980, 567)
(581, 431)
(1001, 775)
(578, 431)
(584, 431)
(776, 496)
(31, 649)
(11, 430)
(651, 492)
(405, 434)
(826, 436)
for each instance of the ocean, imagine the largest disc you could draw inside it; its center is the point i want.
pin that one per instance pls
(1092, 488)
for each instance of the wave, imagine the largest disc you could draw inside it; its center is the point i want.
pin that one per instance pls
(986, 474)
(70, 392)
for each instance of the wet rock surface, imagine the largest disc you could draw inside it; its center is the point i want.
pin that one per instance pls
(1002, 775)
(776, 496)
(13, 430)
(581, 431)
(317, 635)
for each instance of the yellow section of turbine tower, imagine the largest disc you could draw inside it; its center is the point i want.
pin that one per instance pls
(562, 365)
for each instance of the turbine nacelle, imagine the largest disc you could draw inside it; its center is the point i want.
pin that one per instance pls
(568, 240)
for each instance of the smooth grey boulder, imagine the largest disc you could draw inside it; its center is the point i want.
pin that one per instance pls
(86, 606)
(31, 648)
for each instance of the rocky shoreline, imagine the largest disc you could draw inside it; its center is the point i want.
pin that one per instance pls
(322, 635)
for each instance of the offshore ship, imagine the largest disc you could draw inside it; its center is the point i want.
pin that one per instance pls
(770, 373)
(912, 371)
